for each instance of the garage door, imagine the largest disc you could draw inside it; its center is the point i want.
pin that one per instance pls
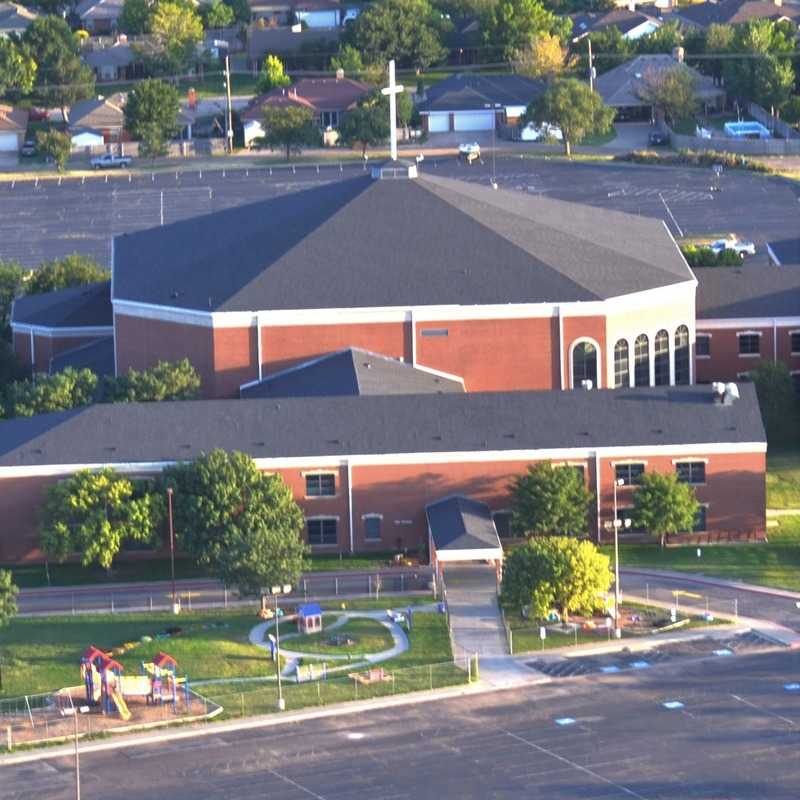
(474, 121)
(8, 142)
(438, 123)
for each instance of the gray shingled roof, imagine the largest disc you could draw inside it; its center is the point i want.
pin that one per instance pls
(742, 292)
(364, 243)
(735, 12)
(98, 112)
(461, 523)
(98, 356)
(350, 372)
(80, 306)
(466, 92)
(311, 427)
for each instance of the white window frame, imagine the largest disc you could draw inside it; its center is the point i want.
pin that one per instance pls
(315, 472)
(748, 333)
(372, 515)
(628, 462)
(593, 342)
(696, 337)
(676, 461)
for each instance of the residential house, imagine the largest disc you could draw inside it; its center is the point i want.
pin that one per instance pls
(13, 125)
(311, 13)
(99, 16)
(467, 102)
(101, 115)
(113, 63)
(734, 12)
(631, 24)
(621, 87)
(295, 45)
(15, 19)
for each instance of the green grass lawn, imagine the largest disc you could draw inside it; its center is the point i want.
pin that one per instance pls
(368, 634)
(783, 478)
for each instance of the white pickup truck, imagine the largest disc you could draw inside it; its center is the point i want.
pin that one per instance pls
(109, 160)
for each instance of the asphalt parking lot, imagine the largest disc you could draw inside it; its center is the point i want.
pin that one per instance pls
(50, 219)
(718, 730)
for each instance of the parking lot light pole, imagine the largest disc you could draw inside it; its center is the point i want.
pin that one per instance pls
(276, 591)
(617, 523)
(175, 607)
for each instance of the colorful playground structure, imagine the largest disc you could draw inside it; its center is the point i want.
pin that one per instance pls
(107, 688)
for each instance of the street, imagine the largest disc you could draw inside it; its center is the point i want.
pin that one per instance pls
(730, 731)
(51, 219)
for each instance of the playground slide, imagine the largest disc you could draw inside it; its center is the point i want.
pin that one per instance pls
(119, 702)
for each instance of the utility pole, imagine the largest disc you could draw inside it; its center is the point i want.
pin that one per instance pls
(218, 43)
(591, 64)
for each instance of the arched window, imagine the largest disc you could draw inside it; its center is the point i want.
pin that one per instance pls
(641, 360)
(661, 358)
(622, 370)
(584, 364)
(682, 355)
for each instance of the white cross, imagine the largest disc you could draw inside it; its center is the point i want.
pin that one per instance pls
(392, 90)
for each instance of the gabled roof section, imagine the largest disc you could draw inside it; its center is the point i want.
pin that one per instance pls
(461, 523)
(78, 307)
(98, 112)
(14, 120)
(351, 372)
(466, 92)
(15, 17)
(318, 94)
(747, 292)
(620, 18)
(99, 9)
(361, 243)
(735, 12)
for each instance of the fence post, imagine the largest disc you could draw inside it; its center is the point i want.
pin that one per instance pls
(73, 605)
(430, 675)
(336, 584)
(402, 582)
(736, 608)
(647, 592)
(151, 604)
(225, 595)
(242, 703)
(112, 602)
(369, 585)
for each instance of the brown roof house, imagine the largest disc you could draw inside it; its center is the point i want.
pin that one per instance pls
(13, 124)
(100, 115)
(327, 98)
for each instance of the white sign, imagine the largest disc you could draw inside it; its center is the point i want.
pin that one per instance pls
(542, 632)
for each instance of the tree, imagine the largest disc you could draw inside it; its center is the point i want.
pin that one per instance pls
(555, 573)
(62, 78)
(611, 49)
(55, 145)
(348, 59)
(663, 39)
(151, 113)
(699, 256)
(574, 108)
(291, 127)
(11, 368)
(241, 10)
(406, 30)
(12, 276)
(58, 392)
(177, 30)
(550, 499)
(672, 92)
(8, 595)
(17, 68)
(165, 381)
(366, 126)
(63, 273)
(135, 17)
(94, 513)
(512, 25)
(218, 15)
(272, 75)
(544, 57)
(152, 142)
(663, 505)
(777, 400)
(241, 523)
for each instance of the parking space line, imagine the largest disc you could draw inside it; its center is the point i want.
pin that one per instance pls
(766, 711)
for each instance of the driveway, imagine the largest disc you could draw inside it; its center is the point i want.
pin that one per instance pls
(630, 136)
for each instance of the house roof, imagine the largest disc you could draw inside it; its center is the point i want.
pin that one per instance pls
(467, 92)
(461, 523)
(351, 372)
(98, 112)
(309, 610)
(742, 292)
(787, 251)
(283, 40)
(620, 86)
(117, 55)
(78, 307)
(15, 18)
(735, 12)
(99, 9)
(621, 18)
(317, 427)
(14, 120)
(98, 356)
(318, 94)
(363, 243)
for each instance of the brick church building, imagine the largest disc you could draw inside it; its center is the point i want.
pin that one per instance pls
(388, 342)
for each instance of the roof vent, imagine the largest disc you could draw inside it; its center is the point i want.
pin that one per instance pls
(725, 394)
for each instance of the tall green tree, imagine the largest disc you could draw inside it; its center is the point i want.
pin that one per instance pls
(11, 369)
(408, 31)
(348, 59)
(241, 523)
(17, 68)
(64, 273)
(610, 47)
(662, 505)
(511, 25)
(8, 597)
(176, 30)
(136, 16)
(365, 126)
(555, 573)
(152, 108)
(663, 39)
(165, 381)
(272, 75)
(94, 513)
(55, 145)
(58, 392)
(218, 14)
(12, 276)
(672, 92)
(777, 401)
(291, 127)
(550, 500)
(241, 10)
(574, 108)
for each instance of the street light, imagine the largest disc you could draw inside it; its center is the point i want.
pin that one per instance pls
(617, 525)
(494, 107)
(222, 44)
(176, 608)
(276, 591)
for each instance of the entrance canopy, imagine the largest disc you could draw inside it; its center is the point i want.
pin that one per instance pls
(462, 529)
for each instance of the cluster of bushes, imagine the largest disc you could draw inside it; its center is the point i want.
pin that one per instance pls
(699, 256)
(693, 158)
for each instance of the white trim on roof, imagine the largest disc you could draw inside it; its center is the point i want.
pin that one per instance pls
(746, 322)
(62, 333)
(456, 554)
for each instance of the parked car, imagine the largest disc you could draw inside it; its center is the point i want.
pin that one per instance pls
(741, 246)
(658, 139)
(29, 148)
(469, 152)
(109, 160)
(532, 133)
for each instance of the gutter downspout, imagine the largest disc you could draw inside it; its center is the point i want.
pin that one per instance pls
(561, 347)
(413, 338)
(33, 358)
(350, 501)
(258, 346)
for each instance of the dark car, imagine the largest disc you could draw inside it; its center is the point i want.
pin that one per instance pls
(657, 138)
(29, 148)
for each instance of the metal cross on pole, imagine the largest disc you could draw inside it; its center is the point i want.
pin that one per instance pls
(392, 90)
